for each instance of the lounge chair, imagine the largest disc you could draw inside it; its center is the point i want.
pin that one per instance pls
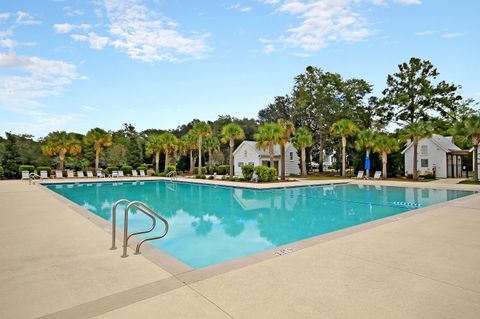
(80, 174)
(43, 174)
(25, 175)
(120, 174)
(89, 174)
(58, 173)
(100, 174)
(378, 175)
(134, 173)
(114, 173)
(142, 173)
(70, 174)
(360, 174)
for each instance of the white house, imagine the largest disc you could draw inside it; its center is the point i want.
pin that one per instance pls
(435, 154)
(247, 153)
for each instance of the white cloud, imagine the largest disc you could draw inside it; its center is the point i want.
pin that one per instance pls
(322, 22)
(149, 36)
(88, 108)
(67, 27)
(42, 122)
(4, 16)
(427, 32)
(71, 12)
(31, 78)
(241, 8)
(408, 2)
(96, 42)
(379, 2)
(8, 43)
(25, 18)
(450, 35)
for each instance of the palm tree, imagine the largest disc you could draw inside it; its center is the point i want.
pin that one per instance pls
(343, 129)
(100, 139)
(61, 143)
(384, 145)
(288, 129)
(201, 130)
(169, 143)
(153, 146)
(189, 143)
(212, 144)
(268, 135)
(303, 139)
(230, 133)
(470, 129)
(365, 141)
(415, 132)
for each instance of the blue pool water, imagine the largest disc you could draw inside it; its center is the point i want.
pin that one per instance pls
(212, 224)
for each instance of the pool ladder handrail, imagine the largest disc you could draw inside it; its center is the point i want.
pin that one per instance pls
(172, 175)
(142, 207)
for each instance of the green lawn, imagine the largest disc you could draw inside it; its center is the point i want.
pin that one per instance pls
(470, 182)
(393, 179)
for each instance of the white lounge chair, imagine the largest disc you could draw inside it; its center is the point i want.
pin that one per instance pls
(142, 173)
(100, 174)
(134, 173)
(58, 173)
(360, 174)
(80, 174)
(25, 175)
(89, 174)
(114, 173)
(120, 174)
(378, 175)
(43, 174)
(70, 174)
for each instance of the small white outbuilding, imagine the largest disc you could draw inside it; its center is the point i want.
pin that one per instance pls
(435, 154)
(247, 153)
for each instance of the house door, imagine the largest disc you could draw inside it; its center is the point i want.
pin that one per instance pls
(454, 166)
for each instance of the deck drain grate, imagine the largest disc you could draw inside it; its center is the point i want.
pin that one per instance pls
(284, 251)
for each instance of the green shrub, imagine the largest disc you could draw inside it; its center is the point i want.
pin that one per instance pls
(2, 172)
(222, 169)
(44, 168)
(150, 172)
(195, 171)
(210, 170)
(126, 169)
(29, 168)
(247, 171)
(170, 168)
(142, 167)
(200, 176)
(266, 174)
(109, 169)
(161, 174)
(211, 177)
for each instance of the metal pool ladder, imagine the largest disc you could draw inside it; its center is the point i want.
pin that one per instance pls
(172, 175)
(141, 207)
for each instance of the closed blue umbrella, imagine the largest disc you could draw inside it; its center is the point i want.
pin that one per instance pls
(367, 164)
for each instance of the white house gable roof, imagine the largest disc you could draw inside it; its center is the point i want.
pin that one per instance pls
(444, 142)
(260, 151)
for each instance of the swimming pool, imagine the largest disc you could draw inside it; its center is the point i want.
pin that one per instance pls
(213, 224)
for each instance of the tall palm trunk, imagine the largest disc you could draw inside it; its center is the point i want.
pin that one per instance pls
(157, 161)
(191, 161)
(304, 162)
(97, 159)
(230, 158)
(200, 155)
(344, 155)
(61, 158)
(166, 159)
(282, 163)
(270, 151)
(210, 157)
(475, 162)
(415, 169)
(175, 157)
(384, 164)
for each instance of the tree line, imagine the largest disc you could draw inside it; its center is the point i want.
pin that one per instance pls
(322, 114)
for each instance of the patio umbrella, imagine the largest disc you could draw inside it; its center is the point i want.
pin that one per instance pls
(367, 164)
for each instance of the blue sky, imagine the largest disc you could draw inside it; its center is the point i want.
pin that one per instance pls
(74, 65)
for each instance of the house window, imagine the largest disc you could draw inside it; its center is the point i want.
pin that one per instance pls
(240, 164)
(291, 156)
(245, 153)
(424, 150)
(251, 163)
(424, 162)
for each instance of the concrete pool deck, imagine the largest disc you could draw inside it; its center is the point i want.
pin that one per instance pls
(56, 263)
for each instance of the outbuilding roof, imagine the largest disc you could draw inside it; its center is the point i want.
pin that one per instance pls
(261, 151)
(444, 142)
